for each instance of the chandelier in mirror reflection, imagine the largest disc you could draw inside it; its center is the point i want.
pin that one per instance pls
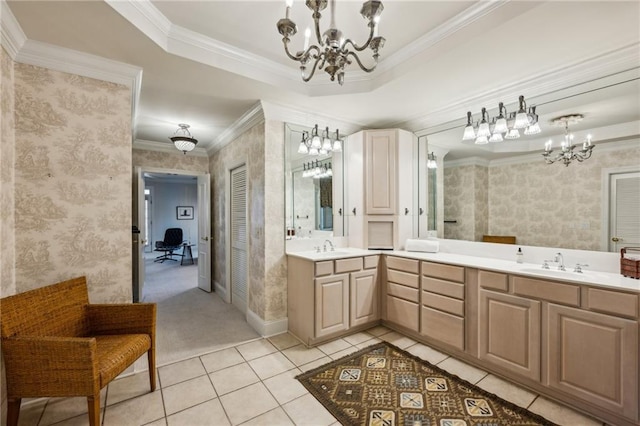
(567, 152)
(503, 126)
(317, 170)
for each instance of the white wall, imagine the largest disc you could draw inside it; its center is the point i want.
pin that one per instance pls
(166, 196)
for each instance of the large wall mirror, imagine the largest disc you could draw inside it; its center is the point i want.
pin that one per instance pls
(313, 187)
(507, 189)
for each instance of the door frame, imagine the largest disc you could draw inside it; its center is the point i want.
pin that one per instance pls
(227, 232)
(605, 231)
(144, 169)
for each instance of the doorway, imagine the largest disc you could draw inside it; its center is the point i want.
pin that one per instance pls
(622, 216)
(238, 237)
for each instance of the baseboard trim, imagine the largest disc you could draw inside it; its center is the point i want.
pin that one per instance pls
(221, 291)
(267, 328)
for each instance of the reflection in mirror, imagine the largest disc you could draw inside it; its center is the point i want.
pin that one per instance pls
(310, 188)
(507, 189)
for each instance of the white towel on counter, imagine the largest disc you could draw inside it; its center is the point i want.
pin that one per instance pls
(428, 246)
(632, 256)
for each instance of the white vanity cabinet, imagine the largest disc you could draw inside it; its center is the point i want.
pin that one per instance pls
(402, 292)
(329, 298)
(382, 188)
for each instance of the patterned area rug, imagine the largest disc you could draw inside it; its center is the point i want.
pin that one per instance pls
(382, 385)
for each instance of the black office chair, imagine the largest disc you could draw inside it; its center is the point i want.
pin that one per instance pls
(172, 242)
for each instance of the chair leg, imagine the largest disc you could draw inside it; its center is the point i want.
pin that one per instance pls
(151, 357)
(93, 404)
(13, 411)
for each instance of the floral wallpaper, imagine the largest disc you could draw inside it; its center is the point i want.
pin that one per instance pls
(169, 160)
(72, 182)
(541, 205)
(7, 176)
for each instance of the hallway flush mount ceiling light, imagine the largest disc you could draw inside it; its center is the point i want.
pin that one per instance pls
(333, 52)
(567, 153)
(182, 139)
(504, 125)
(315, 144)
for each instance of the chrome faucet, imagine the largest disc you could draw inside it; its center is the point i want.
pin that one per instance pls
(560, 259)
(330, 243)
(579, 267)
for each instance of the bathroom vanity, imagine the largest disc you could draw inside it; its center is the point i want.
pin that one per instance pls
(570, 336)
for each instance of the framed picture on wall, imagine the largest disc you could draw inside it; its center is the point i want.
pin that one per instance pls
(184, 212)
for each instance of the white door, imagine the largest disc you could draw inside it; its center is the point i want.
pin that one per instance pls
(142, 226)
(624, 208)
(238, 238)
(204, 232)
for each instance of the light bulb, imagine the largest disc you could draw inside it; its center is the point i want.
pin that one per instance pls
(534, 129)
(337, 145)
(512, 134)
(483, 129)
(496, 137)
(302, 148)
(501, 126)
(481, 140)
(313, 151)
(469, 133)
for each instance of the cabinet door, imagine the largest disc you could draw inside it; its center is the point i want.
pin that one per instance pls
(364, 297)
(332, 304)
(380, 171)
(354, 165)
(509, 332)
(594, 357)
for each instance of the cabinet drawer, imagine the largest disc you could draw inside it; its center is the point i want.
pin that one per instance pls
(444, 327)
(546, 290)
(611, 302)
(348, 265)
(406, 265)
(324, 268)
(493, 280)
(446, 288)
(370, 262)
(443, 303)
(447, 272)
(403, 292)
(403, 313)
(403, 278)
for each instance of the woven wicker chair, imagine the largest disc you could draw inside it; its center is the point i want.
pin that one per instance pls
(56, 344)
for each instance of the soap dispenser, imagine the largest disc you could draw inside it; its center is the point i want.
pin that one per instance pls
(519, 255)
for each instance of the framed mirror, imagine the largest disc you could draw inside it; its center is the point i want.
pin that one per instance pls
(313, 185)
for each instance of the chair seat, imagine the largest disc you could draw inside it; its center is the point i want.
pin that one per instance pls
(117, 352)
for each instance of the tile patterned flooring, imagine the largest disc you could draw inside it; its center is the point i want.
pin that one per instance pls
(253, 384)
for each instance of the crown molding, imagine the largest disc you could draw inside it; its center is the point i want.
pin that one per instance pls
(470, 161)
(147, 145)
(617, 61)
(13, 38)
(254, 116)
(279, 112)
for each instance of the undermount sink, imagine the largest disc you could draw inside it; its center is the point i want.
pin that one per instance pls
(328, 253)
(586, 274)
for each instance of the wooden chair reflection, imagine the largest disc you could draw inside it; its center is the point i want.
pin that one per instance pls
(500, 239)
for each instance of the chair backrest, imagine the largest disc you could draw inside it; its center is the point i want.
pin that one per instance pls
(55, 310)
(500, 239)
(173, 237)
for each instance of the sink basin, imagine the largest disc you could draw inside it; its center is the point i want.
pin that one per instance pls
(569, 274)
(336, 253)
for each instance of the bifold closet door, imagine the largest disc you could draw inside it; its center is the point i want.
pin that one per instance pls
(238, 221)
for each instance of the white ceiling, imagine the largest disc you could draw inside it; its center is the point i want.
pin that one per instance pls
(207, 63)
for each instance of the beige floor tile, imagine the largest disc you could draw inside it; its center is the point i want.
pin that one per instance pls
(560, 414)
(284, 387)
(256, 349)
(31, 411)
(247, 403)
(462, 370)
(506, 390)
(137, 411)
(344, 352)
(313, 364)
(159, 422)
(357, 338)
(209, 413)
(58, 409)
(398, 340)
(378, 331)
(300, 355)
(271, 365)
(334, 346)
(368, 343)
(187, 394)
(221, 359)
(284, 341)
(306, 410)
(81, 420)
(426, 353)
(180, 371)
(233, 378)
(129, 387)
(275, 417)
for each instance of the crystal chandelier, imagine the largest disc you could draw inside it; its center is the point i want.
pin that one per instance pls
(315, 144)
(333, 52)
(504, 125)
(317, 170)
(183, 141)
(567, 153)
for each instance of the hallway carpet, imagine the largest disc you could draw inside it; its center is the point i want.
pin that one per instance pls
(190, 321)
